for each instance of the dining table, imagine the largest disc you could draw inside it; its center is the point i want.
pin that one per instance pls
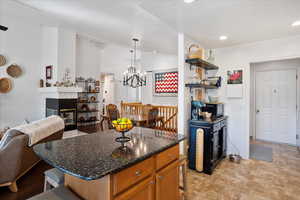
(138, 119)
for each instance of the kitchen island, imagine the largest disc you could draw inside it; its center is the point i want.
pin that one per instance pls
(97, 167)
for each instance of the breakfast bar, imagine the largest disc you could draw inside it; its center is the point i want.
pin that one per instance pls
(97, 167)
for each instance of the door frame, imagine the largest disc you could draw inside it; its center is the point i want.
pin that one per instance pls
(253, 70)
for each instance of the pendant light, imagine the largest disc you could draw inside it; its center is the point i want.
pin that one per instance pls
(132, 77)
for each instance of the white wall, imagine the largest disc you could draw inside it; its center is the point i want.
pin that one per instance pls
(88, 58)
(157, 62)
(240, 57)
(21, 44)
(115, 60)
(50, 51)
(66, 53)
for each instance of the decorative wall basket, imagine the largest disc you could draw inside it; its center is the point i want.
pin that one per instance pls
(14, 70)
(5, 85)
(2, 60)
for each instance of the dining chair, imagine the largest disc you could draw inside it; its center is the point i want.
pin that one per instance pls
(112, 114)
(152, 118)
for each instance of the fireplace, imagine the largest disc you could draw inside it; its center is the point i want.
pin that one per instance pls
(65, 108)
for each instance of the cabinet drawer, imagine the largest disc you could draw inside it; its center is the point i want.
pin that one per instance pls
(167, 156)
(132, 175)
(145, 190)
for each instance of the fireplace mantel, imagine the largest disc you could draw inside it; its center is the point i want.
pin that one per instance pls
(60, 92)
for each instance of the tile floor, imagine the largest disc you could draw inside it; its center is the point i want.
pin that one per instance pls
(252, 179)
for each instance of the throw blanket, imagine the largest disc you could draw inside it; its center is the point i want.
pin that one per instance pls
(41, 129)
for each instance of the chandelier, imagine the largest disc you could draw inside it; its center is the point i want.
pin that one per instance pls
(133, 77)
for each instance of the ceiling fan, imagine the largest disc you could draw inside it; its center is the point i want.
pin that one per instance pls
(3, 28)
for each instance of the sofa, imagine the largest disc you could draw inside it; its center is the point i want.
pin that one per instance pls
(17, 156)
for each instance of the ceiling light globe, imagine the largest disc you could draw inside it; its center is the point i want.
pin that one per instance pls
(223, 37)
(296, 23)
(188, 1)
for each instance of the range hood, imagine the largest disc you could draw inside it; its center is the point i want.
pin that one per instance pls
(3, 28)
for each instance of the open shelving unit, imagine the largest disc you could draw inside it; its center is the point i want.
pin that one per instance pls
(196, 85)
(201, 67)
(91, 109)
(197, 62)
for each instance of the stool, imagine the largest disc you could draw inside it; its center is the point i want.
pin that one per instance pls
(53, 179)
(183, 170)
(60, 193)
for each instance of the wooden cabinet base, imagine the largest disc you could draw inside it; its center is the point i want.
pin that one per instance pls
(143, 191)
(91, 190)
(167, 182)
(156, 178)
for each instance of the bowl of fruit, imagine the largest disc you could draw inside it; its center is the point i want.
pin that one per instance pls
(122, 125)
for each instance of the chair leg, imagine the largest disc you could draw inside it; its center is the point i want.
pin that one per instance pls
(183, 169)
(47, 186)
(184, 173)
(13, 187)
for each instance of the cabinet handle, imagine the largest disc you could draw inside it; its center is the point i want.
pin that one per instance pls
(160, 177)
(138, 173)
(151, 182)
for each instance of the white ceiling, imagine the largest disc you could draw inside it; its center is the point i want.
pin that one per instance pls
(115, 21)
(243, 21)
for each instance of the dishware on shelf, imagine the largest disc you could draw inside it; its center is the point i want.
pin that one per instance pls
(213, 99)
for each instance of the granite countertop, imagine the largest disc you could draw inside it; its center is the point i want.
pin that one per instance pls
(94, 156)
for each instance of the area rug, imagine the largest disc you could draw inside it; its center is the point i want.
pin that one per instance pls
(261, 152)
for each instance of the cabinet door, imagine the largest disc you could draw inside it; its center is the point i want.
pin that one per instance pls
(142, 191)
(167, 183)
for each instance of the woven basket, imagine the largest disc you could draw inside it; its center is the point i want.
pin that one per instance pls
(5, 85)
(2, 60)
(14, 70)
(195, 52)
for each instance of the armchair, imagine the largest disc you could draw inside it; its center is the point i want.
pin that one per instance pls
(17, 158)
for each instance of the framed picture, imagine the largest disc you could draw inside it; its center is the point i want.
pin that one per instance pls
(235, 76)
(49, 72)
(165, 83)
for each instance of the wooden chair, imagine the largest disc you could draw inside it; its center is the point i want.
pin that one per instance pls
(112, 114)
(152, 118)
(183, 162)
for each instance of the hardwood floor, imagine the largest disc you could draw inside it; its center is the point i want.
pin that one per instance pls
(29, 185)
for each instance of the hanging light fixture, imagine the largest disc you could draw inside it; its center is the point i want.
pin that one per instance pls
(132, 77)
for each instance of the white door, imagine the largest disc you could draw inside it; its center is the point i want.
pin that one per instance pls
(276, 97)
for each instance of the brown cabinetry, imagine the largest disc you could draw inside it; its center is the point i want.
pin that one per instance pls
(166, 157)
(143, 191)
(167, 182)
(132, 175)
(156, 178)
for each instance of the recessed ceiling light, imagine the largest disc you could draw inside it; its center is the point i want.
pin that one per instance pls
(296, 23)
(188, 1)
(223, 37)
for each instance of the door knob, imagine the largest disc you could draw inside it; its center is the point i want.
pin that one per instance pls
(257, 111)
